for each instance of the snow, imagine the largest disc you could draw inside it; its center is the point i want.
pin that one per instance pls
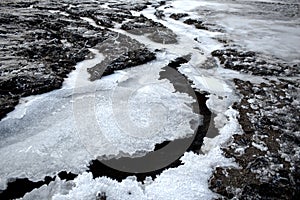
(260, 146)
(188, 181)
(85, 187)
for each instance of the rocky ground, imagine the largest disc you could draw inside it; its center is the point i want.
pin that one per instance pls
(268, 150)
(41, 41)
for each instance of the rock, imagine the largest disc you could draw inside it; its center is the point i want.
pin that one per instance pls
(178, 16)
(159, 14)
(179, 61)
(268, 164)
(198, 24)
(130, 59)
(256, 64)
(101, 196)
(120, 52)
(157, 32)
(7, 104)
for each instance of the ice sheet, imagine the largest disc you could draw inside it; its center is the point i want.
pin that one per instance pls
(66, 128)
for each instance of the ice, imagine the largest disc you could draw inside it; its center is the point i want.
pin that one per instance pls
(85, 187)
(186, 43)
(212, 84)
(188, 181)
(66, 128)
(266, 31)
(149, 97)
(88, 188)
(260, 146)
(90, 21)
(48, 191)
(231, 127)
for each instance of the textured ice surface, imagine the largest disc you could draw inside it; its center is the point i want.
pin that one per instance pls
(188, 181)
(66, 128)
(85, 187)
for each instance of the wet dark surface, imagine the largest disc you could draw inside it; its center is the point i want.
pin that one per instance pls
(19, 187)
(194, 143)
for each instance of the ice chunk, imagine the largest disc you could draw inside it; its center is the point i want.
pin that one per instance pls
(85, 187)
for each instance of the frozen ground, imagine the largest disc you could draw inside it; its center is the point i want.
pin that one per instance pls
(243, 54)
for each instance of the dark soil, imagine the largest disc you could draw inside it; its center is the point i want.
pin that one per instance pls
(156, 31)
